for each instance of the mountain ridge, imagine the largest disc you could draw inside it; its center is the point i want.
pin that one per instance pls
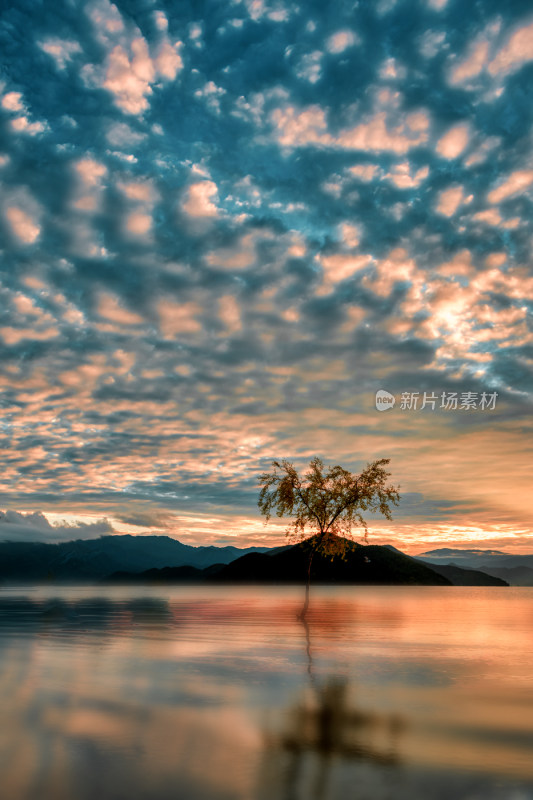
(363, 565)
(92, 559)
(517, 570)
(155, 557)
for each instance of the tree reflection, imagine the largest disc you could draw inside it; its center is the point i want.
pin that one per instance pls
(323, 727)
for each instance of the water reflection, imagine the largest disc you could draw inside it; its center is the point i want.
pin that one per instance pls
(326, 725)
(61, 616)
(222, 693)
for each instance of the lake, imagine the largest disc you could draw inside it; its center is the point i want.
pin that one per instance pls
(221, 693)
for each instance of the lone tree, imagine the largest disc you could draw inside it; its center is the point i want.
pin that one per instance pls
(325, 504)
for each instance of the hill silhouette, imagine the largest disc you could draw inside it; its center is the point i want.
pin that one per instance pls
(93, 559)
(164, 559)
(460, 576)
(364, 564)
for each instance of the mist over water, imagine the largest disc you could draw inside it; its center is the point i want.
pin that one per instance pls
(220, 692)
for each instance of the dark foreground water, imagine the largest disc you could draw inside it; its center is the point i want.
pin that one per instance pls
(222, 694)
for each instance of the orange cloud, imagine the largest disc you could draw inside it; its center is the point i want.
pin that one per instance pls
(198, 200)
(454, 142)
(110, 308)
(384, 131)
(178, 318)
(23, 225)
(515, 184)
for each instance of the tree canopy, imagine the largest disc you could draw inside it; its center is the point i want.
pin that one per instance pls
(325, 503)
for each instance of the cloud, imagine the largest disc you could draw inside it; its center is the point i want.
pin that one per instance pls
(33, 526)
(211, 93)
(296, 128)
(341, 41)
(22, 224)
(403, 176)
(214, 253)
(338, 267)
(309, 67)
(350, 234)
(198, 200)
(131, 67)
(161, 20)
(470, 67)
(122, 135)
(110, 309)
(392, 70)
(385, 130)
(275, 12)
(364, 172)
(484, 56)
(515, 52)
(61, 50)
(90, 173)
(12, 101)
(140, 199)
(24, 125)
(23, 215)
(489, 216)
(385, 133)
(13, 336)
(177, 319)
(515, 184)
(432, 42)
(168, 60)
(128, 76)
(450, 200)
(454, 141)
(230, 313)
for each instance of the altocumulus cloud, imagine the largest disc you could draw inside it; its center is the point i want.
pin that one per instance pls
(223, 232)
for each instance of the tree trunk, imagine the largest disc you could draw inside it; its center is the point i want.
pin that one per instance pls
(306, 604)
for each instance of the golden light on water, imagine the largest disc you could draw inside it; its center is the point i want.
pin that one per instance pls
(225, 692)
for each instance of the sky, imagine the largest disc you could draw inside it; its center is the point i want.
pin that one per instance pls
(226, 227)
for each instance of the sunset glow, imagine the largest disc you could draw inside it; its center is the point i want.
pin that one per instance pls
(221, 236)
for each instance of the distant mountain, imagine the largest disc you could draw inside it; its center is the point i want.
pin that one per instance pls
(370, 564)
(449, 554)
(493, 562)
(161, 558)
(515, 576)
(92, 559)
(288, 565)
(468, 577)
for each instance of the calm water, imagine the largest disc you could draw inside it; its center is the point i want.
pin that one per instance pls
(125, 693)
